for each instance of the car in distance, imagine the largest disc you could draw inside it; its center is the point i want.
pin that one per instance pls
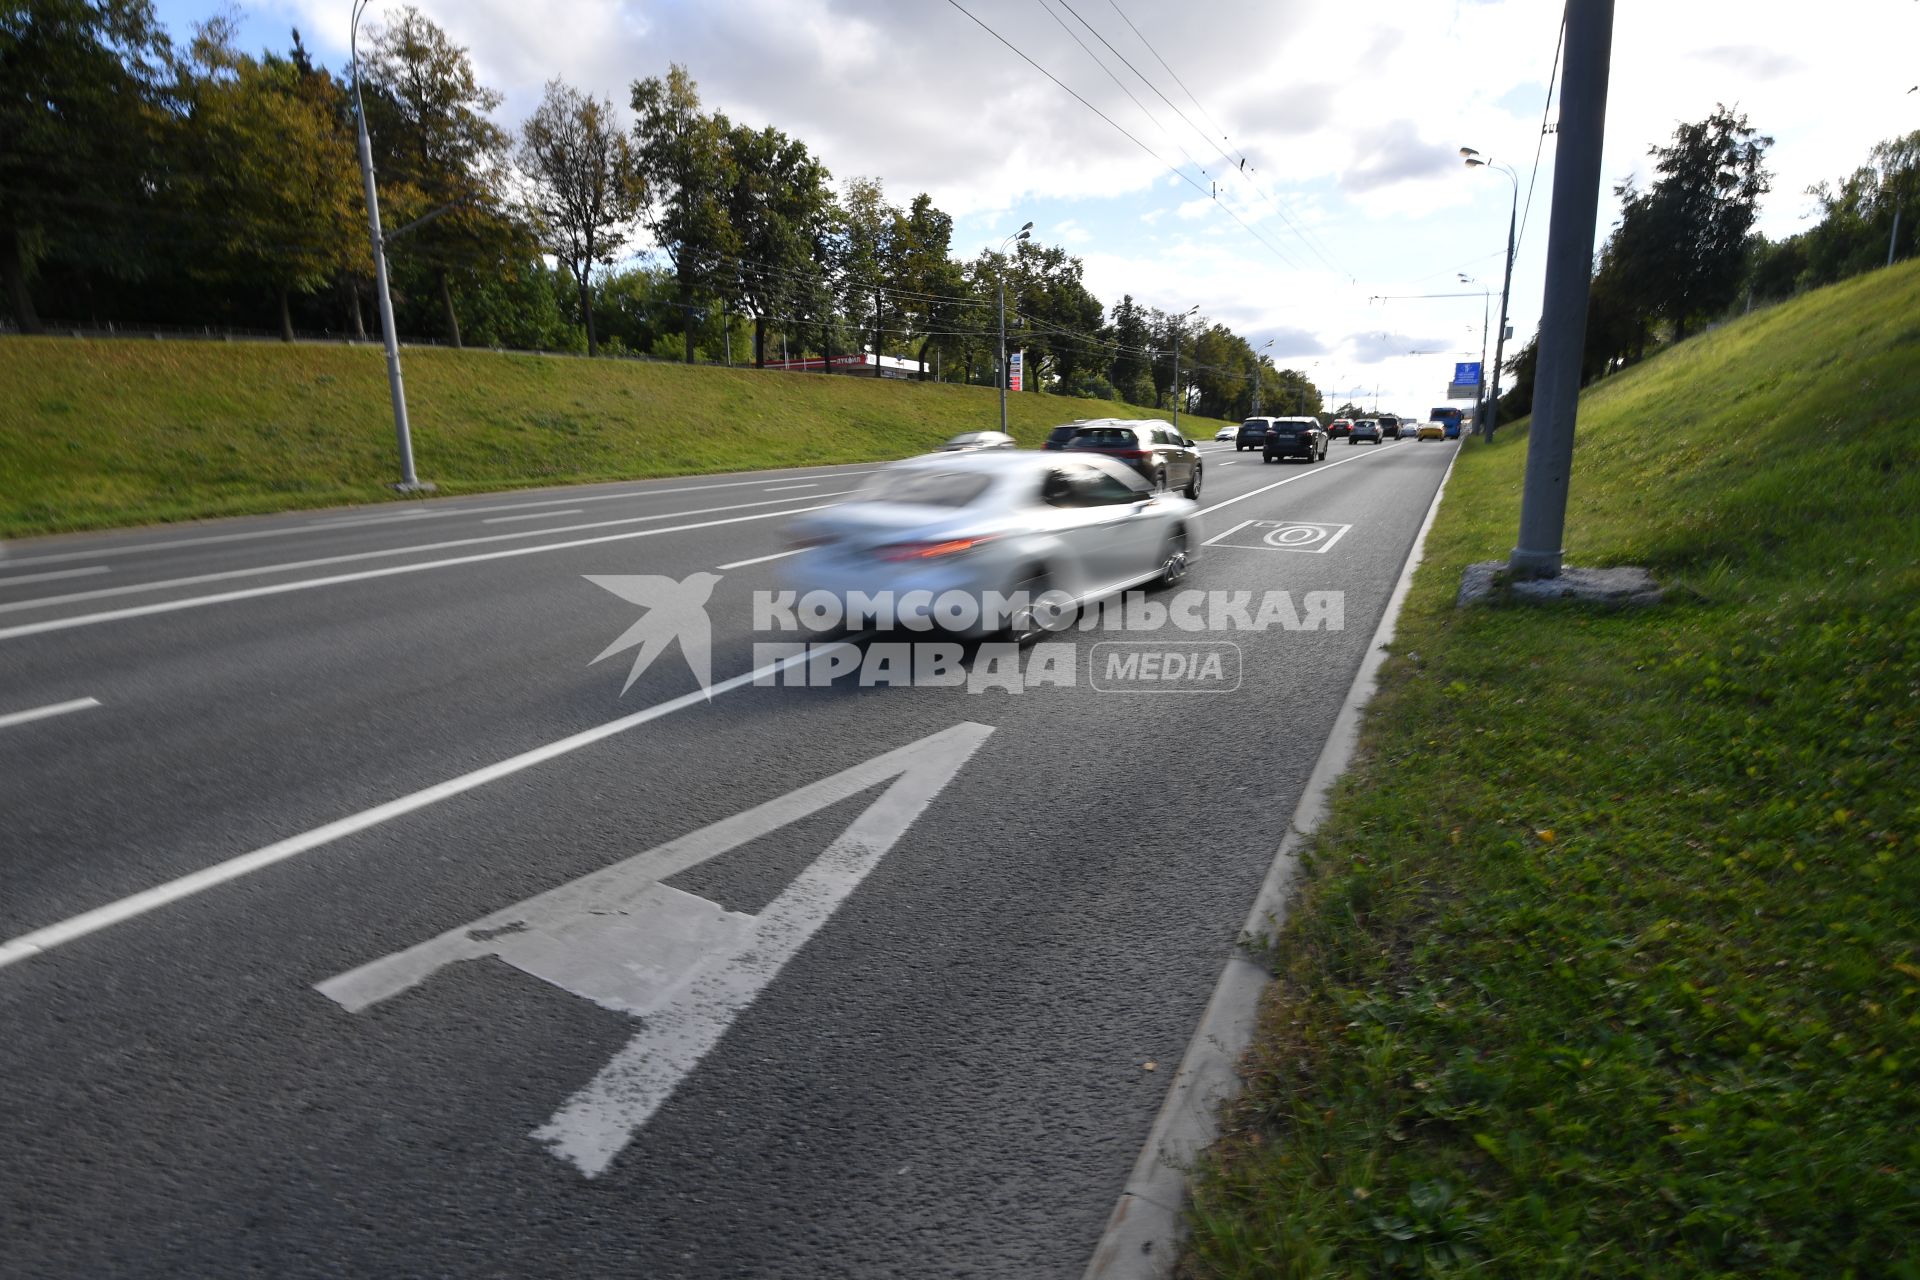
(1058, 437)
(1302, 438)
(1339, 428)
(1164, 457)
(969, 441)
(1432, 431)
(1227, 432)
(1252, 434)
(1022, 525)
(1389, 426)
(1365, 429)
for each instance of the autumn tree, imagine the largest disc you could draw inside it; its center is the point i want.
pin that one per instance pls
(680, 155)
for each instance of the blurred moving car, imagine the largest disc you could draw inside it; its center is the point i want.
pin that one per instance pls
(1074, 529)
(969, 441)
(1252, 434)
(1339, 428)
(1365, 429)
(1058, 437)
(1227, 432)
(1432, 431)
(1166, 458)
(1301, 438)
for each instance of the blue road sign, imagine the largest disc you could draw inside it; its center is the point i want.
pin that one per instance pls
(1466, 373)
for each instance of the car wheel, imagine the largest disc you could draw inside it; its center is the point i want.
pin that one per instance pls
(1174, 559)
(1193, 483)
(1029, 620)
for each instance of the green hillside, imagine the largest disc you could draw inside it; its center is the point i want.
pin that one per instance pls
(1607, 962)
(103, 433)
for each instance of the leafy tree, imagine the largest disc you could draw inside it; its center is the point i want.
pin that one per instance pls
(1683, 241)
(1132, 376)
(83, 118)
(272, 174)
(779, 208)
(427, 114)
(584, 186)
(933, 282)
(681, 158)
(1856, 226)
(868, 250)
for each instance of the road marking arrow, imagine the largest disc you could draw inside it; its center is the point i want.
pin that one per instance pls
(684, 966)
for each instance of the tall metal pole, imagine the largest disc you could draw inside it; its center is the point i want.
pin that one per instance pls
(409, 482)
(1895, 235)
(1000, 286)
(1563, 311)
(1506, 288)
(1176, 377)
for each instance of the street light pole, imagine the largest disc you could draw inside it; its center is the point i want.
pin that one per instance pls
(1000, 289)
(1506, 286)
(409, 482)
(1179, 326)
(1563, 310)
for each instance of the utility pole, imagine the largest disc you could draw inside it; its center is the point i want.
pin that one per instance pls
(1473, 160)
(409, 482)
(1896, 232)
(1563, 311)
(1000, 289)
(726, 332)
(1179, 327)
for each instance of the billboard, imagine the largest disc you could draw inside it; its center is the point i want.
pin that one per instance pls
(1466, 373)
(1464, 391)
(1016, 369)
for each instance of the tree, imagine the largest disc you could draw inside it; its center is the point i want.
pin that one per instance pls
(272, 174)
(83, 115)
(681, 158)
(779, 208)
(1132, 377)
(933, 283)
(1857, 224)
(427, 112)
(585, 186)
(1683, 242)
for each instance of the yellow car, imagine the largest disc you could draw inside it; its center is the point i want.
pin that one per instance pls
(1433, 431)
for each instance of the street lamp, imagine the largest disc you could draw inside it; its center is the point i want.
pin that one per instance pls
(1179, 326)
(409, 482)
(1001, 288)
(1474, 161)
(1480, 390)
(1259, 363)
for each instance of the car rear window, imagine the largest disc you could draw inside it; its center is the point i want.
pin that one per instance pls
(1062, 433)
(1104, 438)
(922, 487)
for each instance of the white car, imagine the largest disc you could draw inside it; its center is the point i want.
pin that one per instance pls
(1226, 433)
(1025, 536)
(972, 441)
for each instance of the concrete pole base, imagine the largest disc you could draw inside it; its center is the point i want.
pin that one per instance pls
(417, 486)
(1494, 582)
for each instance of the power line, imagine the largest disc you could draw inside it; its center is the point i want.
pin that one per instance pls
(1541, 141)
(1184, 177)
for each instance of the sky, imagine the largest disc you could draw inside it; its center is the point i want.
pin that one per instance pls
(1349, 115)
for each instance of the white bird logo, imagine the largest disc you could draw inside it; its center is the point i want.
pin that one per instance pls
(675, 610)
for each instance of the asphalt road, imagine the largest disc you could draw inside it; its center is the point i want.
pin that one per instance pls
(919, 1048)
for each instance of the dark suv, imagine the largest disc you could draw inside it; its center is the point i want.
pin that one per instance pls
(1058, 437)
(1296, 438)
(1253, 434)
(1389, 426)
(1165, 457)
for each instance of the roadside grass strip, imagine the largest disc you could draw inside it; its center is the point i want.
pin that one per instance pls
(1606, 961)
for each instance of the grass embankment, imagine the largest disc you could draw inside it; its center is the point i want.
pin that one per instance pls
(1607, 961)
(106, 433)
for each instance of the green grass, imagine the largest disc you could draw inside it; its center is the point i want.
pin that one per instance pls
(1607, 961)
(109, 433)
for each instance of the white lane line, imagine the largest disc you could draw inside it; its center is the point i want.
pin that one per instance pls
(41, 713)
(255, 571)
(307, 584)
(1229, 533)
(778, 555)
(779, 488)
(46, 939)
(57, 573)
(172, 544)
(1251, 493)
(533, 515)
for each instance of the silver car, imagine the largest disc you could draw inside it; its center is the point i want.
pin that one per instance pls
(1026, 537)
(974, 441)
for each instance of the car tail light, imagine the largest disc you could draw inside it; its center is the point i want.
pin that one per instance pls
(1131, 454)
(930, 550)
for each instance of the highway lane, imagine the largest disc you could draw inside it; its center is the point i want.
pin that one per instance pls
(948, 1078)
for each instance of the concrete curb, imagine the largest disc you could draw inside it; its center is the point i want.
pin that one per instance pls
(1143, 1236)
